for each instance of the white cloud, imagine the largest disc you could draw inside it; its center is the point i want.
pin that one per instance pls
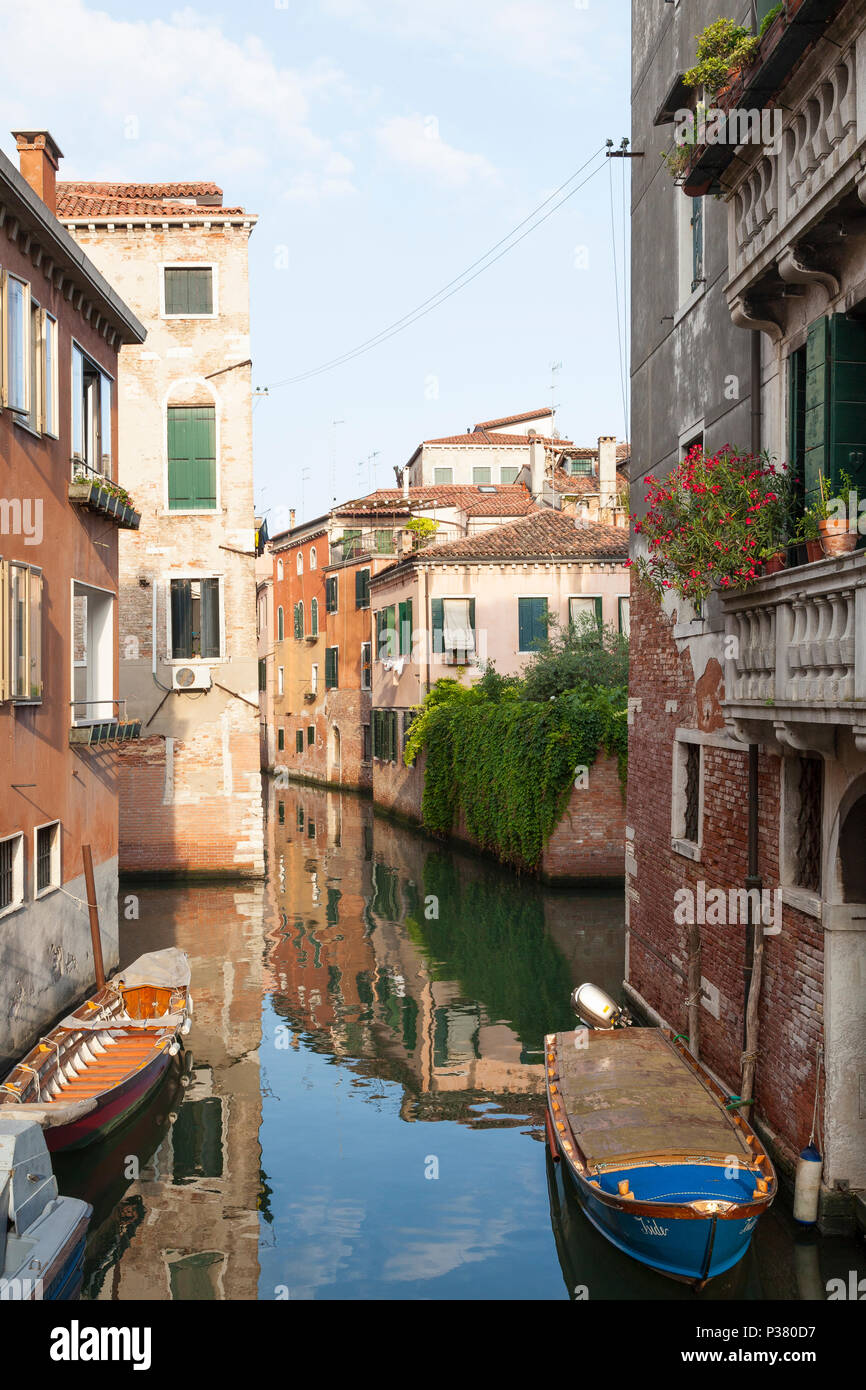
(415, 142)
(198, 104)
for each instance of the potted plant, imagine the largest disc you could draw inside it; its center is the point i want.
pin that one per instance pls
(774, 559)
(837, 538)
(808, 534)
(713, 522)
(723, 49)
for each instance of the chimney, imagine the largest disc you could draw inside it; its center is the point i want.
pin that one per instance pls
(607, 470)
(536, 464)
(291, 518)
(38, 158)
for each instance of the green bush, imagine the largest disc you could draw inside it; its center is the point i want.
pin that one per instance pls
(581, 654)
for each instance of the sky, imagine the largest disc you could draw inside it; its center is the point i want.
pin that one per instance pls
(386, 146)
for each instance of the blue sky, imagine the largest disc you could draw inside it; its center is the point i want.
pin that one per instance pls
(385, 145)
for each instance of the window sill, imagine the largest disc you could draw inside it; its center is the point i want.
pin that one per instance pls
(12, 908)
(689, 304)
(804, 901)
(25, 425)
(24, 700)
(687, 849)
(193, 661)
(46, 892)
(193, 511)
(175, 318)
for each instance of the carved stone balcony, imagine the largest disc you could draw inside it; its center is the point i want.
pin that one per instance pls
(795, 649)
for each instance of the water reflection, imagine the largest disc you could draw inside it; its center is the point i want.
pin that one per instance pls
(360, 1110)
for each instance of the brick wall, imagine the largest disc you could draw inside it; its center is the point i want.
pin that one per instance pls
(791, 1014)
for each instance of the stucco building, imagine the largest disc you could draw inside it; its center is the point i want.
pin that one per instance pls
(61, 327)
(748, 327)
(190, 795)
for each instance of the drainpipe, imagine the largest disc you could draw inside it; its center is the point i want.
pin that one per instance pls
(754, 931)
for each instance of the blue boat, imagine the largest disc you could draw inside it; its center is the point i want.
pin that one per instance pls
(662, 1168)
(42, 1235)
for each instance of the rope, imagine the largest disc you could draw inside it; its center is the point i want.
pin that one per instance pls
(819, 1057)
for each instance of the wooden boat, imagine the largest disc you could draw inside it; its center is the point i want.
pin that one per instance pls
(662, 1168)
(42, 1235)
(101, 1063)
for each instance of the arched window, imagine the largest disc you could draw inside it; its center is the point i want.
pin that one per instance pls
(299, 621)
(279, 569)
(300, 562)
(314, 617)
(313, 560)
(281, 627)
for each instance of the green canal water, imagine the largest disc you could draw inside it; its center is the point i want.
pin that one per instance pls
(359, 1111)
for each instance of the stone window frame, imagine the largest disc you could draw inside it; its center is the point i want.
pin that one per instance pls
(212, 266)
(195, 660)
(683, 739)
(56, 878)
(793, 894)
(18, 874)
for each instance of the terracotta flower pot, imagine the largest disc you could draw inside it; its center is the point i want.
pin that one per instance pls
(775, 563)
(836, 538)
(814, 551)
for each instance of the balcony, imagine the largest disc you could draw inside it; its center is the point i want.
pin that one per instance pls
(795, 669)
(96, 493)
(104, 728)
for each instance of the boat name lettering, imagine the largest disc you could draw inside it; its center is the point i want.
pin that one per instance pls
(652, 1227)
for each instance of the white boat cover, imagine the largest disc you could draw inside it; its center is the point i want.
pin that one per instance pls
(164, 969)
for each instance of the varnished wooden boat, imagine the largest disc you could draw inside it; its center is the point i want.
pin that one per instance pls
(661, 1167)
(101, 1063)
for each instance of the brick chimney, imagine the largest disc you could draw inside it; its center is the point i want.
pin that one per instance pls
(607, 469)
(38, 158)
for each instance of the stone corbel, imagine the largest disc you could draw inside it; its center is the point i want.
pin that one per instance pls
(794, 272)
(744, 317)
(747, 730)
(806, 738)
(859, 732)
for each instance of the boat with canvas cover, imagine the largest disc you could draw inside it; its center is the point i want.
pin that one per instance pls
(97, 1066)
(662, 1167)
(42, 1234)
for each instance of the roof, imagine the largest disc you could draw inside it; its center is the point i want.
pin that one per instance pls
(515, 419)
(190, 201)
(543, 535)
(576, 484)
(480, 436)
(502, 499)
(22, 204)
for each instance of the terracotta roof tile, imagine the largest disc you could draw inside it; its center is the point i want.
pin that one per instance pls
(544, 535)
(504, 499)
(514, 419)
(155, 200)
(481, 437)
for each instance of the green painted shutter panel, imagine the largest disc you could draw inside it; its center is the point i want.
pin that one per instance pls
(299, 741)
(848, 400)
(210, 618)
(472, 619)
(599, 616)
(331, 668)
(314, 617)
(191, 458)
(817, 404)
(384, 542)
(523, 625)
(437, 617)
(181, 618)
(697, 241)
(532, 623)
(298, 622)
(362, 588)
(405, 621)
(797, 419)
(188, 290)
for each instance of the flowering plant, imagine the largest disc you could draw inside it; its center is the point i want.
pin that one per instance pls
(714, 520)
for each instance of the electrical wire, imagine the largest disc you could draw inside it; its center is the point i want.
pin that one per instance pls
(458, 283)
(618, 311)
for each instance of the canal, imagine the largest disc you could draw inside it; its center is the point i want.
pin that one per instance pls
(359, 1110)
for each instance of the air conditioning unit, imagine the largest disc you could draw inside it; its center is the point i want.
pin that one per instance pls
(191, 678)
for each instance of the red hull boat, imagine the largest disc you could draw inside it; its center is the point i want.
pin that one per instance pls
(98, 1066)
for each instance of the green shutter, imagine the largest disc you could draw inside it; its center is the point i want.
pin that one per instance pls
(181, 619)
(797, 419)
(188, 290)
(532, 623)
(331, 594)
(384, 542)
(209, 640)
(817, 405)
(191, 458)
(848, 400)
(331, 680)
(405, 627)
(437, 616)
(362, 588)
(314, 617)
(299, 622)
(697, 242)
(472, 620)
(299, 741)
(599, 616)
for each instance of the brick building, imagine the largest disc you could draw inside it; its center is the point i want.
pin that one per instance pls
(61, 327)
(746, 718)
(190, 793)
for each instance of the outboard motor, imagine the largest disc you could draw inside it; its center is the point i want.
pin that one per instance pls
(597, 1010)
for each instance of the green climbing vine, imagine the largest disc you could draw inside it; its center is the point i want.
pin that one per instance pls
(508, 764)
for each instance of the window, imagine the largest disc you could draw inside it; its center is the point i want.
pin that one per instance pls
(826, 405)
(313, 558)
(331, 668)
(92, 637)
(191, 458)
(281, 813)
(687, 802)
(386, 633)
(366, 743)
(453, 621)
(580, 468)
(91, 415)
(279, 569)
(331, 594)
(311, 735)
(690, 220)
(384, 735)
(281, 624)
(809, 814)
(532, 619)
(17, 332)
(314, 679)
(350, 543)
(624, 617)
(299, 562)
(588, 605)
(509, 475)
(281, 680)
(481, 475)
(263, 675)
(195, 619)
(405, 627)
(384, 542)
(188, 291)
(47, 857)
(299, 740)
(49, 364)
(25, 633)
(314, 617)
(443, 476)
(281, 739)
(366, 665)
(299, 622)
(11, 872)
(693, 787)
(362, 588)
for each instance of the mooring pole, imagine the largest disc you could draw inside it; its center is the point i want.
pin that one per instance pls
(94, 916)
